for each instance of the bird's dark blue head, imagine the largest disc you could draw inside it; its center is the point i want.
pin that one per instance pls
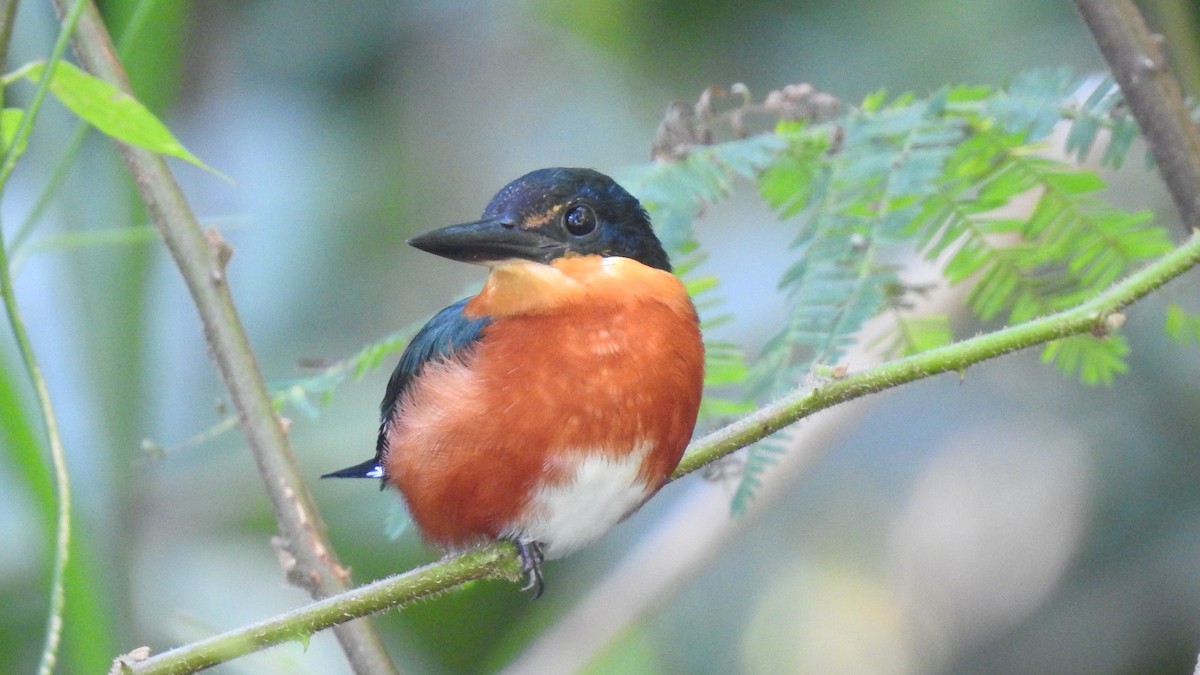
(551, 213)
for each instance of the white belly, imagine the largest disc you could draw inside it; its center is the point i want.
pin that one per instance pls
(570, 516)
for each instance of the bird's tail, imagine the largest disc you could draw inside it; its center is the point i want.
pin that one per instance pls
(368, 469)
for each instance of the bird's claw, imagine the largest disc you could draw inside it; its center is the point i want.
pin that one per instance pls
(531, 566)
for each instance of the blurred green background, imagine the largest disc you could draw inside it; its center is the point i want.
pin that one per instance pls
(1010, 522)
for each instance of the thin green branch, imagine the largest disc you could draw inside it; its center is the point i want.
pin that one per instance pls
(62, 478)
(201, 258)
(49, 190)
(498, 561)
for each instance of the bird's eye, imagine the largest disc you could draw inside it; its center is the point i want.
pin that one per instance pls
(580, 220)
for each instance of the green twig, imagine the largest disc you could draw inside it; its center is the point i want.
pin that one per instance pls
(49, 191)
(62, 478)
(498, 560)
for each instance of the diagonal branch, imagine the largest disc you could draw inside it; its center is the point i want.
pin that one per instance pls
(312, 561)
(492, 562)
(1136, 60)
(498, 561)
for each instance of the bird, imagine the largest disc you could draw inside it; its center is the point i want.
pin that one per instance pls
(554, 403)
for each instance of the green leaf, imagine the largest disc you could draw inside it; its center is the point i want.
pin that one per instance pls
(922, 333)
(1032, 104)
(1094, 360)
(1123, 133)
(724, 365)
(1181, 326)
(1073, 182)
(675, 193)
(717, 407)
(114, 236)
(397, 522)
(969, 94)
(10, 119)
(874, 101)
(759, 457)
(112, 111)
(697, 285)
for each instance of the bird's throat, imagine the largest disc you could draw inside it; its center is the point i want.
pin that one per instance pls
(517, 287)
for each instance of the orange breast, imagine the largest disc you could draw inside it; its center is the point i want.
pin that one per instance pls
(582, 358)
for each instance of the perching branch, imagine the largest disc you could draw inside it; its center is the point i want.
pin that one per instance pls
(311, 560)
(492, 562)
(1136, 60)
(498, 561)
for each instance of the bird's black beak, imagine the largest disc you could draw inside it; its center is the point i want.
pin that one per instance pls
(486, 241)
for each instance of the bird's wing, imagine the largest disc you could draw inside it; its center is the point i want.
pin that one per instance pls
(447, 335)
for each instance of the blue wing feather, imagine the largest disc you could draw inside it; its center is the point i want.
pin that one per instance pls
(447, 335)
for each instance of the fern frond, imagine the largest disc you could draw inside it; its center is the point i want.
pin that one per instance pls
(1182, 326)
(915, 334)
(1036, 102)
(934, 174)
(1033, 104)
(1093, 360)
(1069, 246)
(306, 395)
(861, 198)
(759, 457)
(675, 193)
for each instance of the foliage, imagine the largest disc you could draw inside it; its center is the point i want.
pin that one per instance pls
(109, 109)
(1181, 326)
(962, 178)
(675, 193)
(942, 176)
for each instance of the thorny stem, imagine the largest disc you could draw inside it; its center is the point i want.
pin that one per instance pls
(498, 561)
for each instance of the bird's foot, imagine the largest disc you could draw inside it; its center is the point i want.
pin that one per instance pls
(531, 566)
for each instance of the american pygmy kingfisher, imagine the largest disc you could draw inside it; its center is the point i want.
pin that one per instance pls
(553, 404)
